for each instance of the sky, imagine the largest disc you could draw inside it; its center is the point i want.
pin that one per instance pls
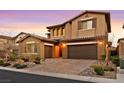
(13, 22)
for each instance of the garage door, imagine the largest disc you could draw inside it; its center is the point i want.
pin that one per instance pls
(87, 51)
(48, 51)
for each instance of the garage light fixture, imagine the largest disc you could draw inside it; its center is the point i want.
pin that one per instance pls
(63, 45)
(100, 42)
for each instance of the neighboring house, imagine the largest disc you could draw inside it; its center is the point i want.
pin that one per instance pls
(5, 45)
(34, 45)
(121, 47)
(9, 44)
(82, 37)
(20, 36)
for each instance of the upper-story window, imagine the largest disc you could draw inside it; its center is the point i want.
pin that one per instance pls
(54, 32)
(87, 24)
(63, 32)
(58, 32)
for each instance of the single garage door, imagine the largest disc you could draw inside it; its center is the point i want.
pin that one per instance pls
(87, 51)
(48, 51)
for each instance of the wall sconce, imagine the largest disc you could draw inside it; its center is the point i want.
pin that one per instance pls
(100, 42)
(63, 45)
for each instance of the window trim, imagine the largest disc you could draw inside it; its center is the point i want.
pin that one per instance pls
(85, 20)
(31, 43)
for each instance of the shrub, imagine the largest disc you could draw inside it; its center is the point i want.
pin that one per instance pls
(103, 57)
(6, 64)
(15, 65)
(1, 62)
(20, 66)
(37, 60)
(12, 58)
(25, 59)
(99, 70)
(115, 60)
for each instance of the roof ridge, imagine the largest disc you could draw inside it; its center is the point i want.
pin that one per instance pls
(83, 12)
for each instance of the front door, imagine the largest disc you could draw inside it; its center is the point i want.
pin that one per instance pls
(58, 51)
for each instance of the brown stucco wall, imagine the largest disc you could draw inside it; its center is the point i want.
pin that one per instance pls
(22, 46)
(121, 49)
(40, 46)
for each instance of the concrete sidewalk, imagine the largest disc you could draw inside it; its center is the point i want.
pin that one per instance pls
(120, 77)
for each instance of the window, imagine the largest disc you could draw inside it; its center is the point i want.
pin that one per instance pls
(57, 32)
(32, 48)
(62, 31)
(89, 24)
(53, 32)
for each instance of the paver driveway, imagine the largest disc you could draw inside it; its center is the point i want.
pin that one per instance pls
(65, 66)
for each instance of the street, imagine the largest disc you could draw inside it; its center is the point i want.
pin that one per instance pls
(17, 77)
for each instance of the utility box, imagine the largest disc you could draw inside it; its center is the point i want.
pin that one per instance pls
(122, 63)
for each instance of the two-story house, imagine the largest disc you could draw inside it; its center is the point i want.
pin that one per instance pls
(82, 37)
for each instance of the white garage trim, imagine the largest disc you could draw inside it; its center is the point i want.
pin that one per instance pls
(81, 43)
(48, 44)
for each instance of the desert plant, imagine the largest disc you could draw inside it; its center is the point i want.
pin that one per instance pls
(99, 70)
(26, 59)
(12, 57)
(115, 60)
(37, 60)
(6, 64)
(16, 64)
(1, 62)
(20, 66)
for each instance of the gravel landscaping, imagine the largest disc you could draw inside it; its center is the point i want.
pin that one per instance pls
(108, 74)
(67, 66)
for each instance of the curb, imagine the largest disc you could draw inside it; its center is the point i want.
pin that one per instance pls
(65, 76)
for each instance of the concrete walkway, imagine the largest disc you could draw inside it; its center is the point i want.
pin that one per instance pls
(120, 77)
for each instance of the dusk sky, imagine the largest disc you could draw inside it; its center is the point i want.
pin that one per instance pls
(13, 22)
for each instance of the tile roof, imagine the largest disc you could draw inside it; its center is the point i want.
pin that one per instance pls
(83, 39)
(120, 39)
(37, 37)
(107, 17)
(5, 37)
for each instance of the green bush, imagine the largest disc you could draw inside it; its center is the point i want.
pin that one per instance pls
(115, 60)
(37, 60)
(20, 66)
(103, 57)
(1, 62)
(99, 70)
(16, 64)
(6, 64)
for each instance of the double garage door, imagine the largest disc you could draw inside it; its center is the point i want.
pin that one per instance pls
(86, 51)
(48, 51)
